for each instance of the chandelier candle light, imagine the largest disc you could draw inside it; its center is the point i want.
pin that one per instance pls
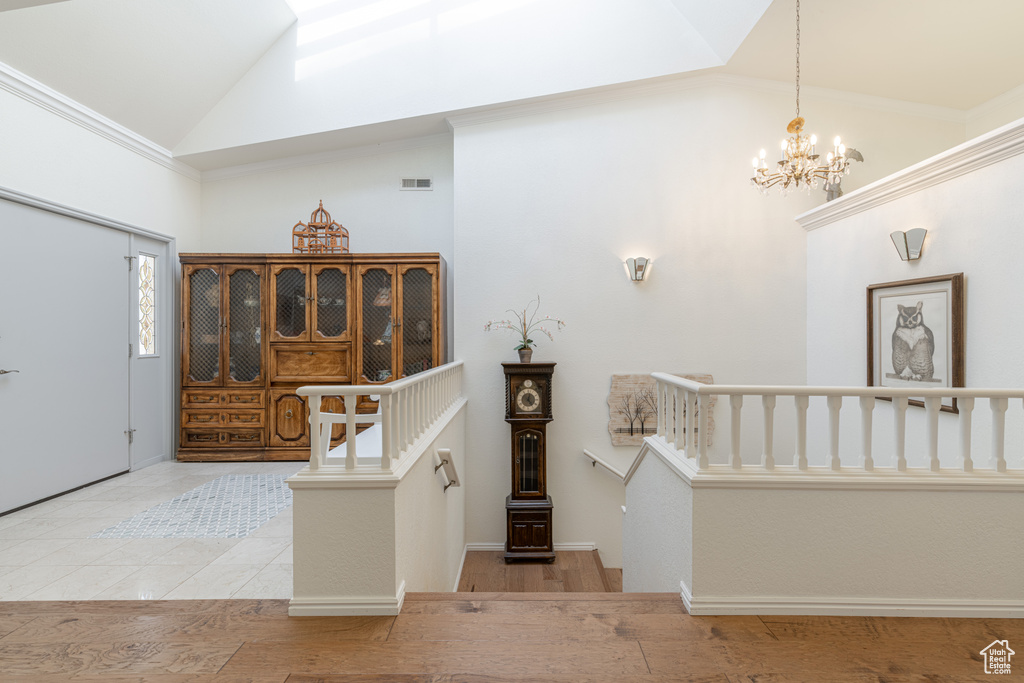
(799, 166)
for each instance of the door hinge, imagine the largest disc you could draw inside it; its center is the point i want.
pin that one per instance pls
(131, 435)
(130, 259)
(131, 350)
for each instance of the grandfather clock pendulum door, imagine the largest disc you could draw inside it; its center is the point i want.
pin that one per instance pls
(528, 508)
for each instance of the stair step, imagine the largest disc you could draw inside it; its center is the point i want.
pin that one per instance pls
(571, 572)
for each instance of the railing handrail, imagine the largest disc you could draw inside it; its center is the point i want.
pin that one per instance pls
(596, 460)
(703, 389)
(374, 389)
(408, 409)
(683, 407)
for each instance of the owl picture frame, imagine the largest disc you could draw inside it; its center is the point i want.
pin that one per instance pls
(916, 335)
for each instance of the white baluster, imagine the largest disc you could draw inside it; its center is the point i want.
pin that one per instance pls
(966, 406)
(800, 457)
(899, 430)
(834, 404)
(932, 404)
(867, 407)
(767, 454)
(314, 433)
(735, 458)
(702, 433)
(396, 426)
(998, 433)
(410, 410)
(690, 409)
(385, 432)
(677, 425)
(350, 432)
(661, 409)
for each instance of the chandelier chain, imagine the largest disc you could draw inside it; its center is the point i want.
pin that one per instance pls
(798, 57)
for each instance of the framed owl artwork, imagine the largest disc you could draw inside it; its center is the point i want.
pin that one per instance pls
(916, 334)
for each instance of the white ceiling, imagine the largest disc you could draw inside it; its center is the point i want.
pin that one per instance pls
(158, 67)
(154, 66)
(950, 53)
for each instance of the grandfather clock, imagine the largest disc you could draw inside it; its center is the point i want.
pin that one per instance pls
(528, 507)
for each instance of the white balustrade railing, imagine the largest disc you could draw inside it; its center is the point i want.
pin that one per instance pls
(683, 407)
(408, 409)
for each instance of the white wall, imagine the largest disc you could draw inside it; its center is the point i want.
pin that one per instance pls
(554, 202)
(904, 547)
(973, 224)
(48, 156)
(255, 212)
(430, 523)
(657, 531)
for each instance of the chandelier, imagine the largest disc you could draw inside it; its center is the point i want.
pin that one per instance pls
(800, 166)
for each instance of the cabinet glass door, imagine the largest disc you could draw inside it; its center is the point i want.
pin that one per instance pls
(330, 289)
(203, 326)
(377, 326)
(290, 295)
(417, 320)
(245, 325)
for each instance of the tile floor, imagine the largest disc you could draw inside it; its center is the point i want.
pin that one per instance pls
(46, 552)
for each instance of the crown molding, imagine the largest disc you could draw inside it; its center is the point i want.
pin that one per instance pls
(31, 90)
(984, 150)
(680, 83)
(319, 158)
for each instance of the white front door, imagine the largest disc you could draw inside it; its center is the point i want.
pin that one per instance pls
(63, 320)
(151, 339)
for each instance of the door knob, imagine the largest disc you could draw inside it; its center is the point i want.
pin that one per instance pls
(7, 372)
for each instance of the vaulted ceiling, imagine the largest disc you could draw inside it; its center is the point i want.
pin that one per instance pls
(203, 76)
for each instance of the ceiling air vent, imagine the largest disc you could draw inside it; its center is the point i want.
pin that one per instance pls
(417, 184)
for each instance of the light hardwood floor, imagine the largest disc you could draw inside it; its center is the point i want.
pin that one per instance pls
(571, 572)
(478, 638)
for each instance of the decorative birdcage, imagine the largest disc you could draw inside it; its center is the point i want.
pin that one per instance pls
(320, 236)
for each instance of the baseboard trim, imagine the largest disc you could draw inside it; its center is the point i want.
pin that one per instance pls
(354, 606)
(686, 596)
(851, 607)
(567, 547)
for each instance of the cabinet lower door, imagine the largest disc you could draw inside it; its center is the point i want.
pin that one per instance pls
(289, 419)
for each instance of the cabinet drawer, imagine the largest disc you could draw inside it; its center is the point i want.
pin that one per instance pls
(221, 418)
(200, 398)
(200, 418)
(217, 398)
(242, 418)
(317, 363)
(250, 399)
(244, 437)
(227, 438)
(194, 438)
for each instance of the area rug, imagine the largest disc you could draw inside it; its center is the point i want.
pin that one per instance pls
(232, 506)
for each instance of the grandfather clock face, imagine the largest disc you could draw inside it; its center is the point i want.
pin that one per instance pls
(528, 399)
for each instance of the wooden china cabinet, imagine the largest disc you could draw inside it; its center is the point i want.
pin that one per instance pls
(257, 326)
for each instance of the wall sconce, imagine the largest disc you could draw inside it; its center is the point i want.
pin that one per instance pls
(638, 268)
(909, 243)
